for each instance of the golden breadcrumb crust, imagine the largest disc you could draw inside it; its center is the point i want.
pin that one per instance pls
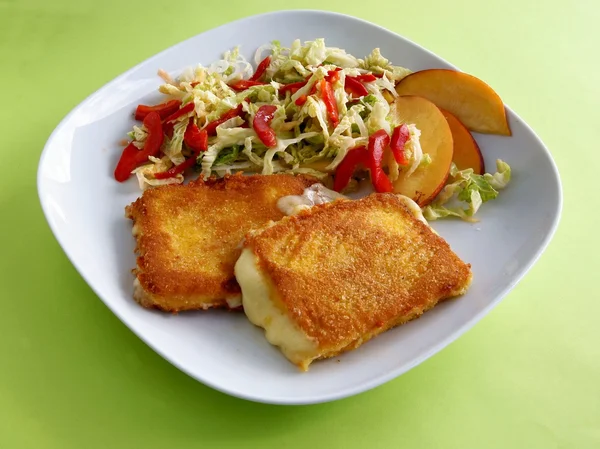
(188, 237)
(349, 270)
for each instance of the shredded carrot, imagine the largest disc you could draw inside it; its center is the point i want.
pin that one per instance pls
(166, 77)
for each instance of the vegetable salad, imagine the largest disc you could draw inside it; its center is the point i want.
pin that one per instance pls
(300, 111)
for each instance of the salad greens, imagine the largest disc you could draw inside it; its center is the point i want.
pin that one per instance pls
(320, 101)
(304, 135)
(466, 192)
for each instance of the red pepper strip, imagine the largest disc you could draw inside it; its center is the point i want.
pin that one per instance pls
(241, 85)
(353, 86)
(174, 171)
(330, 103)
(163, 109)
(301, 100)
(378, 142)
(378, 75)
(347, 167)
(154, 139)
(195, 138)
(293, 86)
(399, 138)
(333, 75)
(168, 129)
(194, 83)
(261, 69)
(262, 119)
(211, 128)
(184, 110)
(126, 162)
(366, 77)
(132, 156)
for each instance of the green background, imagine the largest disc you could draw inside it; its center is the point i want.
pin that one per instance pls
(526, 376)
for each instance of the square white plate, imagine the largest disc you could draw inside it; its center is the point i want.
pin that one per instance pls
(84, 207)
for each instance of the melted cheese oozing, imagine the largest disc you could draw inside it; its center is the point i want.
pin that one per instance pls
(313, 195)
(319, 194)
(258, 304)
(261, 311)
(413, 208)
(234, 302)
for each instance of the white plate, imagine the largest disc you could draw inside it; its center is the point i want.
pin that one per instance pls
(84, 207)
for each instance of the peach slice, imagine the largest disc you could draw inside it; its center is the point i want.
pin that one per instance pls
(436, 140)
(466, 150)
(471, 100)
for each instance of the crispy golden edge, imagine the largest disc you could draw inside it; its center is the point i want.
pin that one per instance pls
(160, 286)
(315, 304)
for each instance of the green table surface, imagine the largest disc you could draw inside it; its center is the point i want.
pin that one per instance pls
(527, 376)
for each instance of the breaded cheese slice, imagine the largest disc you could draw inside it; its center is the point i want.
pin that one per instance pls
(188, 237)
(330, 278)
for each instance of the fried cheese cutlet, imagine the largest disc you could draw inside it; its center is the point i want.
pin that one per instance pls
(188, 237)
(330, 278)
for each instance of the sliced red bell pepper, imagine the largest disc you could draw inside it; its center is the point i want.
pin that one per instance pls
(330, 103)
(347, 167)
(132, 157)
(355, 87)
(261, 69)
(168, 129)
(301, 100)
(174, 171)
(163, 109)
(261, 123)
(189, 107)
(126, 163)
(333, 75)
(366, 77)
(292, 87)
(399, 138)
(155, 137)
(211, 128)
(195, 138)
(242, 85)
(378, 142)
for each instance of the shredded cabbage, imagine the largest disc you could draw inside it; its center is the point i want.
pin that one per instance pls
(303, 128)
(466, 192)
(306, 137)
(375, 62)
(145, 173)
(172, 148)
(413, 148)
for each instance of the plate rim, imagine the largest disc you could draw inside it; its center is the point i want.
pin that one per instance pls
(349, 391)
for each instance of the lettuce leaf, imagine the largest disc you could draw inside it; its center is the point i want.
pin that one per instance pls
(226, 137)
(378, 118)
(375, 62)
(466, 192)
(282, 144)
(145, 173)
(227, 156)
(172, 147)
